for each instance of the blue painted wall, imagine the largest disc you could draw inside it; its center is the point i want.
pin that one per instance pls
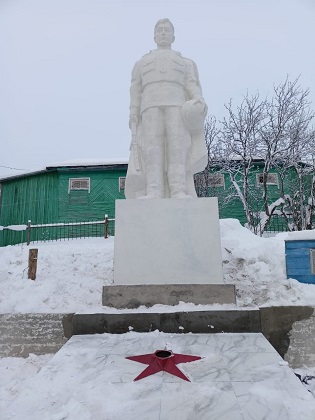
(298, 260)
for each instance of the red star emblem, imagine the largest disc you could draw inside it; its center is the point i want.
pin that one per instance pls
(162, 360)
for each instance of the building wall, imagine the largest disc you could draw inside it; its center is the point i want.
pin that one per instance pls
(230, 205)
(89, 205)
(45, 198)
(34, 198)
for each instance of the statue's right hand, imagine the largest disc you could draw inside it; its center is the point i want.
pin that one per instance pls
(133, 120)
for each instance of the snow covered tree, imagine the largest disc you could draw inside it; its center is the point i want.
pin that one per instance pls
(277, 134)
(204, 179)
(240, 146)
(285, 140)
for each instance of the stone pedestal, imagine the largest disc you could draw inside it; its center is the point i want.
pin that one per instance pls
(133, 296)
(167, 241)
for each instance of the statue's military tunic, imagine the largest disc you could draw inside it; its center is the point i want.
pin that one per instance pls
(163, 78)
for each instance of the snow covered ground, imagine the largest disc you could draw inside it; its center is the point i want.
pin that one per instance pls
(71, 274)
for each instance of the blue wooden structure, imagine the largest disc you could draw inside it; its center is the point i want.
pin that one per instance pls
(300, 260)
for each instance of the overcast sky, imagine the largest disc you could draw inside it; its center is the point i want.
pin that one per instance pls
(65, 66)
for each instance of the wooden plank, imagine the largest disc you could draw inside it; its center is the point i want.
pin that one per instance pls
(294, 253)
(291, 272)
(299, 263)
(32, 263)
(304, 279)
(300, 244)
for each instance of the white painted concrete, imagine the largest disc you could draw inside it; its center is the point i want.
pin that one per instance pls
(167, 241)
(167, 113)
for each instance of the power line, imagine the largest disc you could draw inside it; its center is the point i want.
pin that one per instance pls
(16, 169)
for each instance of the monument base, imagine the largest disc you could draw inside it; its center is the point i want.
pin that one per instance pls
(130, 297)
(167, 241)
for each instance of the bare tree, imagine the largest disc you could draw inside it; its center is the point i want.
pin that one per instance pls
(240, 146)
(277, 132)
(202, 179)
(284, 144)
(299, 205)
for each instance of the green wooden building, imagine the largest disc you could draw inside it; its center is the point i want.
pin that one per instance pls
(86, 191)
(63, 193)
(279, 181)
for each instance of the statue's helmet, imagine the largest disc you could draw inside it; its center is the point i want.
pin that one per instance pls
(194, 113)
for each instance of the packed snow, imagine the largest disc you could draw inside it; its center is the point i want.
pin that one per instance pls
(15, 374)
(71, 274)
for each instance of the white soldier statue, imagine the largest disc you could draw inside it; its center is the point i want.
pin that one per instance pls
(167, 113)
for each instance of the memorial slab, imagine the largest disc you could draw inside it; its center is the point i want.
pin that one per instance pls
(239, 377)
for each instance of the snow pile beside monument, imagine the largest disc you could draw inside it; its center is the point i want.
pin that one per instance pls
(257, 267)
(71, 274)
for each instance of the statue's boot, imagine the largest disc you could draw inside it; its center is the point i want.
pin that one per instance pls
(154, 181)
(154, 155)
(177, 181)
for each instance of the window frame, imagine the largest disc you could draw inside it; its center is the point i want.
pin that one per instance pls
(80, 179)
(217, 185)
(121, 180)
(312, 261)
(269, 182)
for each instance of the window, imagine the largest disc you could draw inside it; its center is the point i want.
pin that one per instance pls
(122, 181)
(79, 184)
(216, 180)
(272, 179)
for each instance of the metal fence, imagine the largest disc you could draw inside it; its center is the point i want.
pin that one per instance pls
(61, 231)
(276, 225)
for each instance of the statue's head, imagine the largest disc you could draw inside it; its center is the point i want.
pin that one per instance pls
(164, 33)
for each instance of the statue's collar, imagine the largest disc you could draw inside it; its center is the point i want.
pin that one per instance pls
(166, 50)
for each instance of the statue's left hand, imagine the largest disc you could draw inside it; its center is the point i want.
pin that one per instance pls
(202, 102)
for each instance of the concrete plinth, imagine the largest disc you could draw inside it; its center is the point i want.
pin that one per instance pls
(167, 241)
(212, 321)
(133, 296)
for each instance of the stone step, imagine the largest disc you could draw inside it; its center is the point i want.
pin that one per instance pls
(22, 334)
(211, 321)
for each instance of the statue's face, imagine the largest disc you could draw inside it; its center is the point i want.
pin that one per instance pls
(164, 35)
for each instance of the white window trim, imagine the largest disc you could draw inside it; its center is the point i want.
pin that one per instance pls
(70, 188)
(119, 183)
(312, 259)
(221, 177)
(273, 174)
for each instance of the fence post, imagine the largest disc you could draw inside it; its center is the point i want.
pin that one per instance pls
(32, 263)
(28, 233)
(106, 227)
